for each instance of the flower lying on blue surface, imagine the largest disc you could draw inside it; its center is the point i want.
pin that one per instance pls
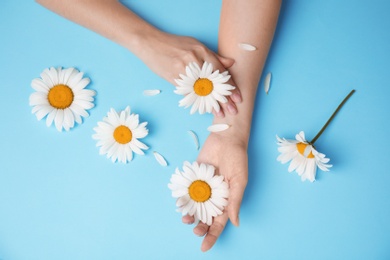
(304, 158)
(61, 96)
(118, 135)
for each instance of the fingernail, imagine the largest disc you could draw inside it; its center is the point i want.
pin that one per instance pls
(220, 114)
(236, 97)
(188, 222)
(232, 109)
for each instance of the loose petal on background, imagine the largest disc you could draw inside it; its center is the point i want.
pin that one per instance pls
(195, 137)
(152, 92)
(267, 82)
(160, 159)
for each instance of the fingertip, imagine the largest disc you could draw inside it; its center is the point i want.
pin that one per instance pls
(234, 217)
(226, 62)
(204, 248)
(236, 96)
(236, 221)
(201, 229)
(232, 109)
(220, 114)
(198, 232)
(188, 219)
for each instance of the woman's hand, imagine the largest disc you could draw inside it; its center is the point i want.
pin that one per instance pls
(167, 55)
(229, 156)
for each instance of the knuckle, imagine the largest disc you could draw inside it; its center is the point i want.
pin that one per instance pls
(200, 48)
(178, 64)
(190, 55)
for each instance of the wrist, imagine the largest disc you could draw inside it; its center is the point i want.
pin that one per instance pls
(239, 128)
(138, 40)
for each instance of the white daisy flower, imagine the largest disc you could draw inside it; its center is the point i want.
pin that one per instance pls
(61, 96)
(199, 192)
(203, 88)
(118, 135)
(304, 158)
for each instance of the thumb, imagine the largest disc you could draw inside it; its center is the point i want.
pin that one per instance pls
(237, 188)
(226, 62)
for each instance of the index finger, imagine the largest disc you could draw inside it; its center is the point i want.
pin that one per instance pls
(214, 232)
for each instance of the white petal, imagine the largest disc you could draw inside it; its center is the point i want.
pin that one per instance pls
(188, 100)
(301, 137)
(66, 75)
(42, 113)
(295, 163)
(152, 92)
(218, 127)
(267, 82)
(202, 106)
(183, 200)
(195, 106)
(310, 172)
(219, 97)
(246, 47)
(187, 207)
(68, 118)
(179, 193)
(160, 159)
(190, 74)
(54, 75)
(198, 211)
(202, 172)
(140, 144)
(302, 167)
(129, 154)
(195, 137)
(40, 85)
(135, 148)
(45, 75)
(192, 210)
(50, 117)
(59, 119)
(204, 213)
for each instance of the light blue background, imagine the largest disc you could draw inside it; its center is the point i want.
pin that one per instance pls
(59, 199)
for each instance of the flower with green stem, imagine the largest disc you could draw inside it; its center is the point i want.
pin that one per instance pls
(303, 155)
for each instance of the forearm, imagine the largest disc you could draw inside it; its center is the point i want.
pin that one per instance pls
(108, 18)
(252, 22)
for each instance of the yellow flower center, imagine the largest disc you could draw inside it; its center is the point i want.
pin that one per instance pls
(199, 191)
(302, 150)
(203, 87)
(122, 134)
(60, 96)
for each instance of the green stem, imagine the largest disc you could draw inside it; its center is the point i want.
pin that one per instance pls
(331, 118)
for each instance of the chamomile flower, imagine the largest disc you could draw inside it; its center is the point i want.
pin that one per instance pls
(118, 135)
(203, 88)
(304, 158)
(199, 192)
(61, 96)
